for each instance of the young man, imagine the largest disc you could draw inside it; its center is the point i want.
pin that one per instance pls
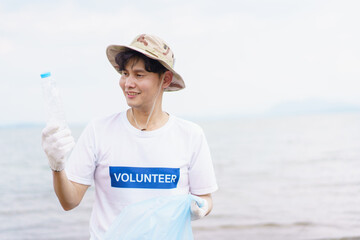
(137, 154)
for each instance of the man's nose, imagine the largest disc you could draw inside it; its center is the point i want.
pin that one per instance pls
(130, 81)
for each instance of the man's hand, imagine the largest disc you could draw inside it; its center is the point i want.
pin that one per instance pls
(199, 209)
(56, 143)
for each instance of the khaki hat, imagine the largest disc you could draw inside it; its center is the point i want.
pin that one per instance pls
(154, 48)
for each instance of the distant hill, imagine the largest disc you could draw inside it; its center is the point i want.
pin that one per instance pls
(310, 106)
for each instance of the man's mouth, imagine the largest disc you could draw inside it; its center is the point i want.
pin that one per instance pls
(132, 93)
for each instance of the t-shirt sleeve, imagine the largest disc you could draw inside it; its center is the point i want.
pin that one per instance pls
(82, 161)
(201, 172)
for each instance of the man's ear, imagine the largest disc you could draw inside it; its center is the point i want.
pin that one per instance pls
(167, 79)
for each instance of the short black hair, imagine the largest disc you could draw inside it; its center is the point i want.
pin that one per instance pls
(151, 65)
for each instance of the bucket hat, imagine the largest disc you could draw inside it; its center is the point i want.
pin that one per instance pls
(154, 48)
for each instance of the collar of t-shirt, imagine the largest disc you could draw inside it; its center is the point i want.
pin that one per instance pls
(140, 133)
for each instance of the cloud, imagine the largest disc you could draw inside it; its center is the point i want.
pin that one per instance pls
(6, 46)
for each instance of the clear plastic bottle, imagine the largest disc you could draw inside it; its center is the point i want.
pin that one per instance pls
(53, 103)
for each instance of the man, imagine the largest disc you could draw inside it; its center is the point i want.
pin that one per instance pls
(137, 154)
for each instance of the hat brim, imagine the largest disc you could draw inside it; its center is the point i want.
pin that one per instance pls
(177, 82)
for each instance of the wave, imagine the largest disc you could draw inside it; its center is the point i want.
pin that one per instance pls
(257, 225)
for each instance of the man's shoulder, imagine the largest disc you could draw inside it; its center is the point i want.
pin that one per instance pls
(105, 122)
(188, 126)
(108, 119)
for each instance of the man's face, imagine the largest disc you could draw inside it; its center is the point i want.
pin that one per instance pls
(140, 87)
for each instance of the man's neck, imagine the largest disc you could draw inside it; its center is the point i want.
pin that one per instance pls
(140, 119)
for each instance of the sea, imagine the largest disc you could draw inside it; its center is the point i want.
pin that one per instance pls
(280, 178)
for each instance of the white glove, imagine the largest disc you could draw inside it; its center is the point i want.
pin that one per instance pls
(199, 208)
(56, 143)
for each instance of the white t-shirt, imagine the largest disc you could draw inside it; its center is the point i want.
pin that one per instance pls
(128, 165)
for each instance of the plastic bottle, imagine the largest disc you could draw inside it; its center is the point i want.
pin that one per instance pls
(53, 103)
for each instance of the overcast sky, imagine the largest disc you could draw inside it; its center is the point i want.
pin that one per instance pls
(236, 57)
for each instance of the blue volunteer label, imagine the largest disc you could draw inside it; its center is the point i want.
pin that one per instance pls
(137, 177)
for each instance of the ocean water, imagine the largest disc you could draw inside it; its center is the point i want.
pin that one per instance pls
(295, 177)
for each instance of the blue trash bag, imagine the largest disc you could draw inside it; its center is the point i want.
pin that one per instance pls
(161, 218)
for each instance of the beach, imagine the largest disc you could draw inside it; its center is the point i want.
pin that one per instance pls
(279, 177)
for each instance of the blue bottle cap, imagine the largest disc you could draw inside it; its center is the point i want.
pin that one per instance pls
(45, 75)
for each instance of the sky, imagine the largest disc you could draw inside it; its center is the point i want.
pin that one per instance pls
(236, 57)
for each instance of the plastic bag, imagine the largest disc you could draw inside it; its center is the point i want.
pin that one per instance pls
(159, 218)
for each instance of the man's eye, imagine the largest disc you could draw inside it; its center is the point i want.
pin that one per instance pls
(124, 73)
(139, 75)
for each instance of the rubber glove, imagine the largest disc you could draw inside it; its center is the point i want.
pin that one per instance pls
(57, 142)
(199, 208)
